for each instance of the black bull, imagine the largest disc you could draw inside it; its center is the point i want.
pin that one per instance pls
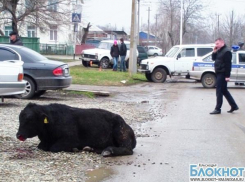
(64, 128)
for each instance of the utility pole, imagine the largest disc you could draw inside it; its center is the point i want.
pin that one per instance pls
(132, 57)
(156, 31)
(231, 28)
(138, 35)
(181, 21)
(148, 26)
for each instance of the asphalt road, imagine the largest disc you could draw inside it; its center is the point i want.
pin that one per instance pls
(181, 133)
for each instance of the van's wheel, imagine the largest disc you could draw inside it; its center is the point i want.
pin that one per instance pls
(29, 89)
(159, 75)
(85, 63)
(148, 77)
(105, 63)
(209, 80)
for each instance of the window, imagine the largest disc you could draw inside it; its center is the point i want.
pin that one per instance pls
(208, 58)
(52, 5)
(8, 29)
(189, 52)
(141, 50)
(7, 55)
(172, 52)
(31, 31)
(203, 51)
(53, 33)
(233, 58)
(241, 58)
(29, 4)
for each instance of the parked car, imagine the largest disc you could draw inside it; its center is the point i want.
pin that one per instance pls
(142, 54)
(177, 61)
(101, 55)
(153, 51)
(203, 69)
(40, 73)
(11, 75)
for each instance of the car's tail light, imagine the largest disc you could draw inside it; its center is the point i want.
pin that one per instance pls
(20, 77)
(192, 68)
(58, 71)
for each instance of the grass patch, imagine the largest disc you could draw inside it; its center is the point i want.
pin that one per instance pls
(92, 76)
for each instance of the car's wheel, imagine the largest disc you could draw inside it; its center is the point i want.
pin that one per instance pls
(39, 93)
(148, 77)
(159, 75)
(29, 89)
(155, 54)
(105, 63)
(209, 80)
(85, 63)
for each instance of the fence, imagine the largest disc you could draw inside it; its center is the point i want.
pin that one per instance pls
(30, 42)
(56, 49)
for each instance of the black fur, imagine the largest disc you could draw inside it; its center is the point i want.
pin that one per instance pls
(67, 128)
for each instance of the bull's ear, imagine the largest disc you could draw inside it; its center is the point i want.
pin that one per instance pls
(45, 118)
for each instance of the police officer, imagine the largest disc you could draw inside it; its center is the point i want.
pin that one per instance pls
(222, 65)
(14, 39)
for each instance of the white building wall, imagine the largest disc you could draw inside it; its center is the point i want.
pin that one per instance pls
(65, 34)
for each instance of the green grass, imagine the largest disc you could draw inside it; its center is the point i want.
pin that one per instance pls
(73, 92)
(106, 77)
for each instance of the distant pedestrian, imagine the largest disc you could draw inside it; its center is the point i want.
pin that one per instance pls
(123, 53)
(115, 54)
(14, 39)
(222, 65)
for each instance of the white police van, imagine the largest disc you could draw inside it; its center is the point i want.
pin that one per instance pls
(203, 69)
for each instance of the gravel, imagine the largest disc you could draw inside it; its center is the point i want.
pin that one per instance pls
(23, 161)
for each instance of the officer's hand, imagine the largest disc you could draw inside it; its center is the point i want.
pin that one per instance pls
(227, 79)
(215, 49)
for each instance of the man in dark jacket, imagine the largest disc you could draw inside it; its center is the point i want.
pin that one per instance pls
(14, 39)
(222, 65)
(123, 53)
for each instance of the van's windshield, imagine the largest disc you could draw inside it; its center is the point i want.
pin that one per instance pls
(172, 52)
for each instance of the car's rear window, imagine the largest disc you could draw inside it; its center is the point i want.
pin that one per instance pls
(29, 55)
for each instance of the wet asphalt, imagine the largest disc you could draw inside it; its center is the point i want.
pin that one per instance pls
(181, 133)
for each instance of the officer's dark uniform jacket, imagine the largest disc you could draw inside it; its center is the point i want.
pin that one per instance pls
(222, 60)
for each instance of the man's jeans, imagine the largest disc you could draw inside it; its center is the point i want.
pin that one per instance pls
(123, 63)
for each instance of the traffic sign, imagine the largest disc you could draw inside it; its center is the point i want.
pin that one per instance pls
(76, 17)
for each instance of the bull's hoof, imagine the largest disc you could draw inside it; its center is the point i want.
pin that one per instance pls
(88, 149)
(106, 153)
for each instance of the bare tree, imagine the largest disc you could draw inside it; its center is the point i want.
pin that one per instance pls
(170, 9)
(85, 30)
(38, 13)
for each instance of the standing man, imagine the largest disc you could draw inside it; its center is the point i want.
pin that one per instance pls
(222, 65)
(14, 39)
(123, 52)
(115, 54)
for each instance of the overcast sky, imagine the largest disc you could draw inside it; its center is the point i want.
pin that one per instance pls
(118, 12)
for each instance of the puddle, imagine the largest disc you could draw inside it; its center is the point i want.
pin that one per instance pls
(96, 175)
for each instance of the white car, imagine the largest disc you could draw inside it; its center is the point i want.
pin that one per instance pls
(203, 69)
(101, 55)
(153, 51)
(178, 61)
(11, 75)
